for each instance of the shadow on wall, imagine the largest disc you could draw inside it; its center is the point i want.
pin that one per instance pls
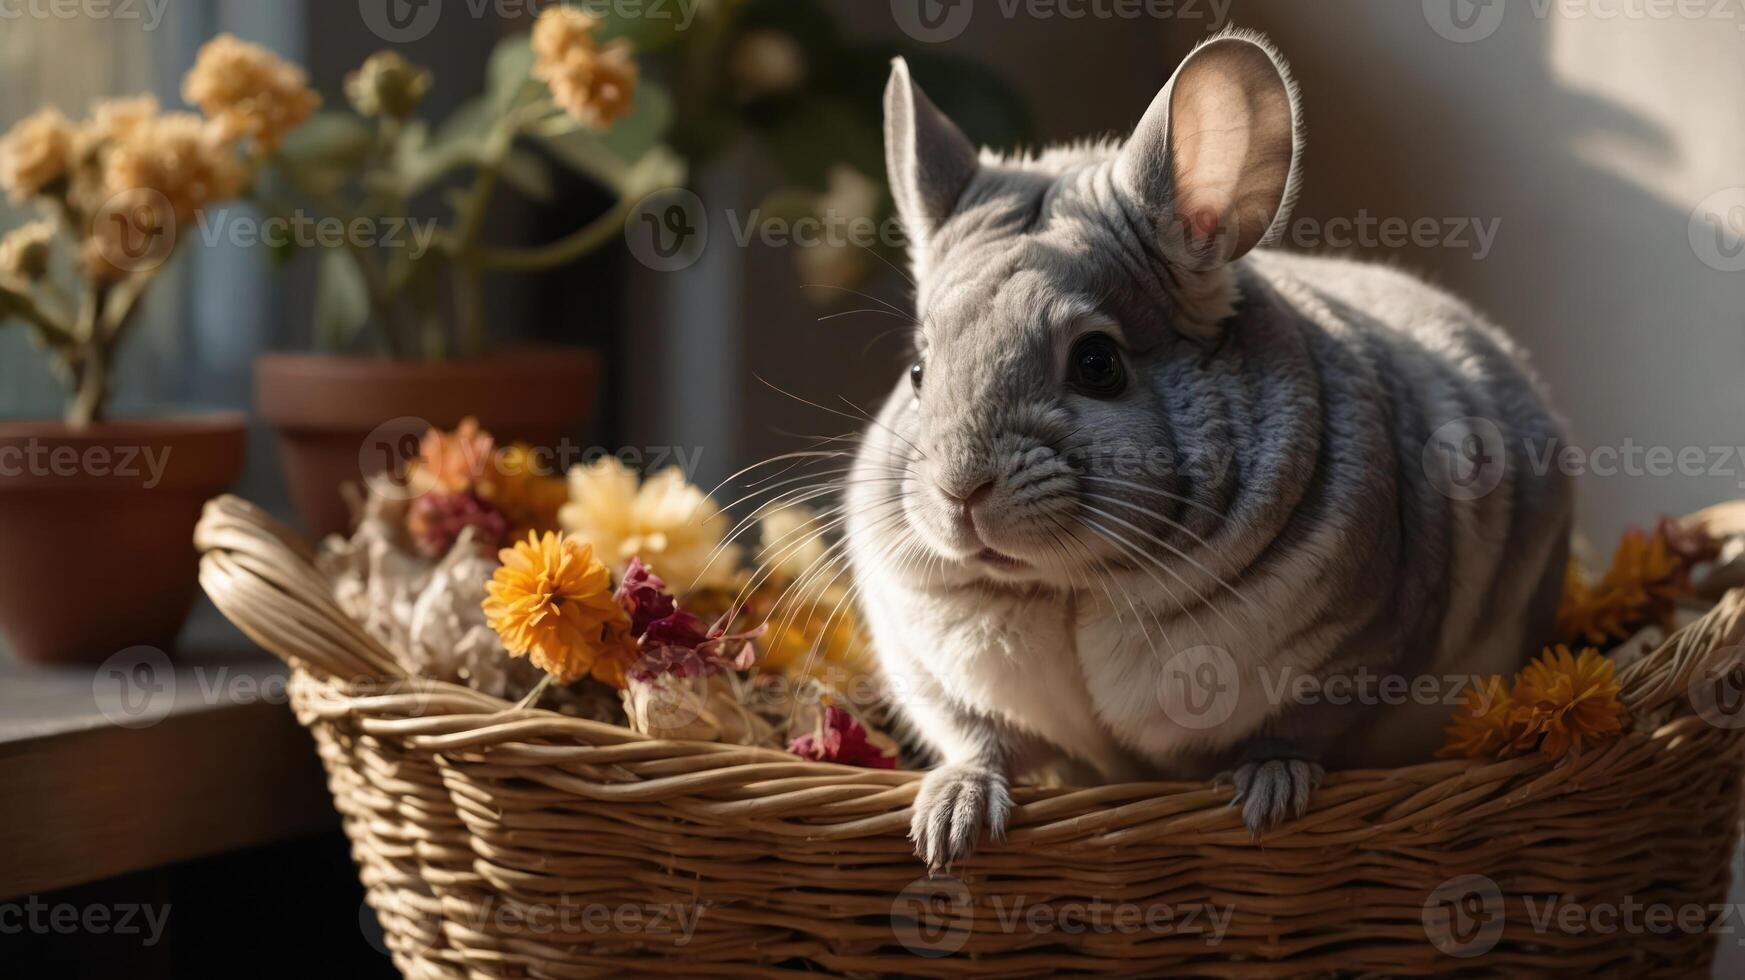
(1619, 288)
(1482, 153)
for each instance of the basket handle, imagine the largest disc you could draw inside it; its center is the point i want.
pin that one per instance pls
(1701, 653)
(262, 577)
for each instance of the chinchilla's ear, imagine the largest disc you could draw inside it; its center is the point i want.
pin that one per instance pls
(1214, 161)
(929, 159)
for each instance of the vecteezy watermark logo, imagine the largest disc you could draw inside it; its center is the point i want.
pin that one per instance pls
(932, 916)
(1464, 21)
(667, 230)
(150, 13)
(1717, 230)
(135, 230)
(932, 21)
(385, 452)
(35, 916)
(1464, 916)
(1718, 696)
(1465, 459)
(135, 688)
(1200, 687)
(400, 21)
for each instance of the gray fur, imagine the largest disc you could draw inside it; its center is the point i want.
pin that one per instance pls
(1254, 501)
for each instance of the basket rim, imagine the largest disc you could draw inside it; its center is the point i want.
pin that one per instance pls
(261, 575)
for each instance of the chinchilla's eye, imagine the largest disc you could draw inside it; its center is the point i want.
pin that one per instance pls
(916, 371)
(1095, 368)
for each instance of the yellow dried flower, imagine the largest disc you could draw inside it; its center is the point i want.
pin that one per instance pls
(24, 253)
(669, 523)
(529, 498)
(114, 119)
(1572, 700)
(250, 92)
(551, 601)
(595, 84)
(766, 62)
(36, 153)
(387, 84)
(160, 172)
(1487, 725)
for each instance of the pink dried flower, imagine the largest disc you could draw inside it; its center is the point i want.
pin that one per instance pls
(436, 519)
(644, 596)
(840, 737)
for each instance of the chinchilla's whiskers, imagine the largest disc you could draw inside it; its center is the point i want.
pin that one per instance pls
(1139, 555)
(766, 570)
(797, 495)
(869, 309)
(894, 267)
(857, 419)
(1184, 556)
(866, 296)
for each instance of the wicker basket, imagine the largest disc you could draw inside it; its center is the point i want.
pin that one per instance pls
(496, 842)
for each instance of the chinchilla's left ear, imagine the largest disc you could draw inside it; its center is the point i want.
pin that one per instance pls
(1214, 161)
(929, 159)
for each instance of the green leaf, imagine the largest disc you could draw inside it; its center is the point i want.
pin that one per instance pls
(328, 141)
(342, 300)
(509, 78)
(607, 156)
(527, 174)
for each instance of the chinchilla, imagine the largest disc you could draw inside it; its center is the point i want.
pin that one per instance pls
(1147, 493)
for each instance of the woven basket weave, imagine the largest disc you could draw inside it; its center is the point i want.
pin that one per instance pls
(496, 842)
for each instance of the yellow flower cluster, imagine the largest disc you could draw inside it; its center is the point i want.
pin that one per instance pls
(594, 83)
(251, 93)
(1560, 703)
(670, 524)
(551, 601)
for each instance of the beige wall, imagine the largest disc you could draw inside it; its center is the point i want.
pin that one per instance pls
(1585, 143)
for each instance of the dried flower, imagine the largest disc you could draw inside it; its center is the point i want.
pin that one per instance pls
(1572, 700)
(451, 461)
(250, 92)
(437, 518)
(644, 597)
(114, 119)
(24, 253)
(1649, 572)
(388, 85)
(36, 154)
(178, 155)
(840, 737)
(793, 542)
(529, 498)
(552, 602)
(596, 85)
(1487, 725)
(665, 520)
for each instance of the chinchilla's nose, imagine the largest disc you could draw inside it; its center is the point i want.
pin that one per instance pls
(966, 501)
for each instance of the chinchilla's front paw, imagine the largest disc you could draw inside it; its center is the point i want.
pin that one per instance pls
(1273, 790)
(952, 805)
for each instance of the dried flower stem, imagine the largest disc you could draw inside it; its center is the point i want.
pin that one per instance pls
(533, 695)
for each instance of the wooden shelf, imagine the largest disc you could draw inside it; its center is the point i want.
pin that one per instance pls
(214, 762)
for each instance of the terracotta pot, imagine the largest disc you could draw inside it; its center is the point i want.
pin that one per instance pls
(97, 530)
(340, 419)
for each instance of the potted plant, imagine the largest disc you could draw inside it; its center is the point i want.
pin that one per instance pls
(632, 102)
(417, 305)
(96, 514)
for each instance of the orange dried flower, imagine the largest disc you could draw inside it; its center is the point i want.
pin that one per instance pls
(249, 91)
(552, 602)
(451, 461)
(1571, 700)
(596, 85)
(1649, 571)
(528, 498)
(1488, 725)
